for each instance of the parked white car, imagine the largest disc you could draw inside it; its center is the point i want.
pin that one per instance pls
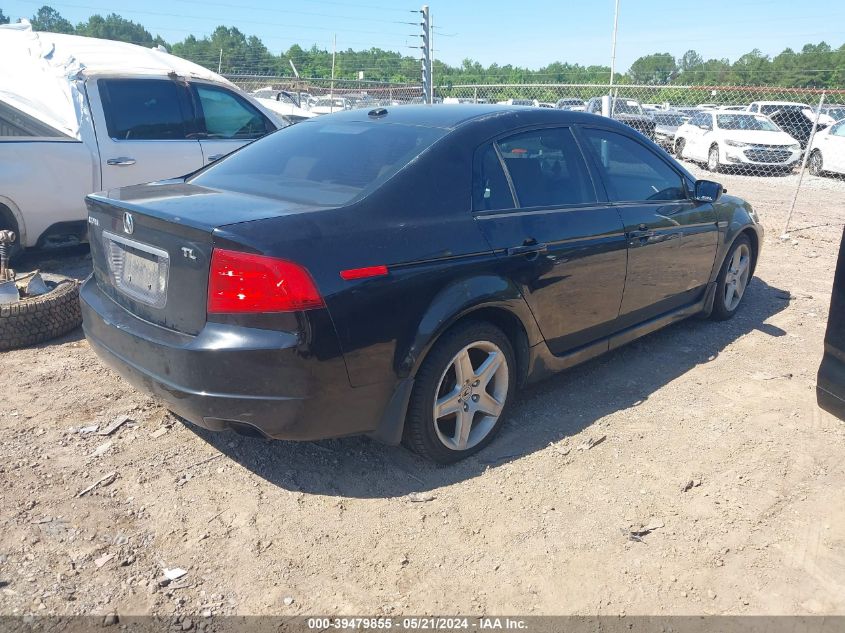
(736, 138)
(827, 154)
(283, 104)
(79, 115)
(327, 105)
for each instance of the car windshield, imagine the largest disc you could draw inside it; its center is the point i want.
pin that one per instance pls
(745, 122)
(320, 162)
(337, 103)
(626, 106)
(837, 114)
(669, 119)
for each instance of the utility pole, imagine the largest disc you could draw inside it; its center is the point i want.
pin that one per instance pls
(426, 55)
(431, 59)
(220, 62)
(331, 90)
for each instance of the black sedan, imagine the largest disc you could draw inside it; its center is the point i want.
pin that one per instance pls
(402, 272)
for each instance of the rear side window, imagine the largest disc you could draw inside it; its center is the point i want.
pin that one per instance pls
(320, 162)
(490, 189)
(227, 116)
(14, 123)
(145, 109)
(547, 169)
(631, 171)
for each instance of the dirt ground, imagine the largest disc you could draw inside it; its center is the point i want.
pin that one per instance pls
(535, 524)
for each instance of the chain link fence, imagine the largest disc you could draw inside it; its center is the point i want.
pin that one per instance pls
(791, 138)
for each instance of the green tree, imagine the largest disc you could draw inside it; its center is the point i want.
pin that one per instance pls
(3, 18)
(115, 27)
(658, 68)
(48, 19)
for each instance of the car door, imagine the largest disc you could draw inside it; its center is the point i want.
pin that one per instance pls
(537, 206)
(700, 136)
(833, 148)
(226, 120)
(672, 239)
(143, 128)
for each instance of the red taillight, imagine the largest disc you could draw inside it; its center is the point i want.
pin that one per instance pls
(243, 282)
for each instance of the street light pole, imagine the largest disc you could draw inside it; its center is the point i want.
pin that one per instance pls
(613, 46)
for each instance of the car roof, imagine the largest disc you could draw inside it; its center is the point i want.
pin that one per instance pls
(449, 116)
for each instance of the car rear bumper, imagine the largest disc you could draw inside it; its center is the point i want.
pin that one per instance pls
(254, 381)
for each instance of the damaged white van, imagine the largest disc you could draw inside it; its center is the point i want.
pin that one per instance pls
(79, 115)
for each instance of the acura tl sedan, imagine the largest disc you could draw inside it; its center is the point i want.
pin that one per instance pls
(402, 272)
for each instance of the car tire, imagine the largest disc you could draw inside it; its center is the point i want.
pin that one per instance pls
(816, 163)
(713, 163)
(43, 317)
(736, 271)
(439, 438)
(679, 148)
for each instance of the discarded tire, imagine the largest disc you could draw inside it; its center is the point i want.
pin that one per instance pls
(36, 319)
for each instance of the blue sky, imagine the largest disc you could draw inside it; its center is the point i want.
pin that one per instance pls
(528, 33)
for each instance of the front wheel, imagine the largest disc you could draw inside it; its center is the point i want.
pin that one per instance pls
(733, 279)
(816, 163)
(713, 159)
(461, 393)
(679, 148)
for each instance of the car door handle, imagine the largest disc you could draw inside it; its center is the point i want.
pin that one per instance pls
(528, 249)
(215, 157)
(123, 161)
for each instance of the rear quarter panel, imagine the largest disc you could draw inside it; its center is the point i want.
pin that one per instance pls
(45, 182)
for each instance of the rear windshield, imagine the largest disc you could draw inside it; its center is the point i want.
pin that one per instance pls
(320, 162)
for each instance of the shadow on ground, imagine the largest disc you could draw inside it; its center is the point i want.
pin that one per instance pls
(545, 413)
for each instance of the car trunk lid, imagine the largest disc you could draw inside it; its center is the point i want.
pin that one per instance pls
(152, 244)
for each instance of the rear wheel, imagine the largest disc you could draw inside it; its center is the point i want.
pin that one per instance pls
(816, 163)
(733, 279)
(713, 159)
(461, 393)
(679, 148)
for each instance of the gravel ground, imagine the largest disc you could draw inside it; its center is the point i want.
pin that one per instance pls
(536, 524)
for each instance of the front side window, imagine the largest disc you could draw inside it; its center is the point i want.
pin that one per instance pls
(547, 169)
(320, 162)
(144, 109)
(227, 116)
(631, 171)
(839, 129)
(490, 186)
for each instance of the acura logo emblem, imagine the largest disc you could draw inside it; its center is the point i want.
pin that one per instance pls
(128, 223)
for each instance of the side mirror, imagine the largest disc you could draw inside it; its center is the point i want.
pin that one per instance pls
(707, 191)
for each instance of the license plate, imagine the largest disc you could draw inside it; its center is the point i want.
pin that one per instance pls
(138, 270)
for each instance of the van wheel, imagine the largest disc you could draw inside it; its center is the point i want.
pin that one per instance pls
(733, 279)
(679, 148)
(41, 318)
(461, 393)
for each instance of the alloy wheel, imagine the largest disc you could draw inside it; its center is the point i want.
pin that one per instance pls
(736, 278)
(816, 163)
(471, 395)
(713, 159)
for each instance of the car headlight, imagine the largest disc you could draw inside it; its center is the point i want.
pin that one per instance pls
(736, 143)
(794, 146)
